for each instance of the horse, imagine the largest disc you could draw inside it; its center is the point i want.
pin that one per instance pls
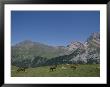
(73, 67)
(21, 69)
(53, 67)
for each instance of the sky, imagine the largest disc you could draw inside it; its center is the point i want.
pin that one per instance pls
(56, 28)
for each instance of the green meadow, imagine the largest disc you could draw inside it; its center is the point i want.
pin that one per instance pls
(82, 70)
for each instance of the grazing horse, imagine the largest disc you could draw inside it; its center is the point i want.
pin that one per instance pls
(21, 69)
(53, 67)
(73, 67)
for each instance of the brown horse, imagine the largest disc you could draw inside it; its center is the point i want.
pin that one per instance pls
(21, 69)
(73, 67)
(52, 68)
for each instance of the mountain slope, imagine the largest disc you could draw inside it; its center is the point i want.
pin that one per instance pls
(37, 49)
(92, 50)
(34, 54)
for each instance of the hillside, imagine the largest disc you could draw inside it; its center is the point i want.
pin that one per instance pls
(29, 48)
(33, 54)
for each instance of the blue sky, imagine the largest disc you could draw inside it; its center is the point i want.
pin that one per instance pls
(53, 27)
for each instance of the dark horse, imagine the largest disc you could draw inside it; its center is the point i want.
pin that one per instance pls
(21, 69)
(53, 67)
(73, 67)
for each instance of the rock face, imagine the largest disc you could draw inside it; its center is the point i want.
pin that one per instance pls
(92, 50)
(75, 45)
(75, 52)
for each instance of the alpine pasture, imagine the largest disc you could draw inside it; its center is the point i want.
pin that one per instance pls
(64, 70)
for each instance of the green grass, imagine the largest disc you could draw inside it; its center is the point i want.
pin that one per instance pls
(83, 70)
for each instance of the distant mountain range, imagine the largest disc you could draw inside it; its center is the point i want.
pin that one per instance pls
(33, 54)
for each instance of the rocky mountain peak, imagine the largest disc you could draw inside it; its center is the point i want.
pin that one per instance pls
(94, 39)
(75, 45)
(94, 36)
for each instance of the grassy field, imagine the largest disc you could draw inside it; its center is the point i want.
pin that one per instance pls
(82, 70)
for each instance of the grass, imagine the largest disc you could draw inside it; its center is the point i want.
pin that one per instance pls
(83, 70)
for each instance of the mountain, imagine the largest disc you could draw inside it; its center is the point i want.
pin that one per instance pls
(93, 48)
(34, 54)
(28, 47)
(75, 45)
